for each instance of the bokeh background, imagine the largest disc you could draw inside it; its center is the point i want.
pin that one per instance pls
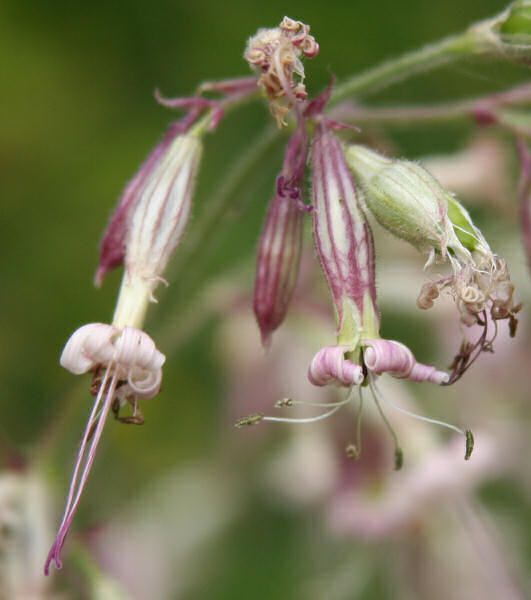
(186, 506)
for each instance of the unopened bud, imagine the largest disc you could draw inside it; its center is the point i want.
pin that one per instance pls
(405, 199)
(513, 33)
(280, 246)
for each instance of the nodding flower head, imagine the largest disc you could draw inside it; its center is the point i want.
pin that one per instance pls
(144, 231)
(410, 203)
(344, 243)
(127, 367)
(275, 54)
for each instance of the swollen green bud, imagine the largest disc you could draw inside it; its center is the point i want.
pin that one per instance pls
(409, 202)
(518, 21)
(510, 33)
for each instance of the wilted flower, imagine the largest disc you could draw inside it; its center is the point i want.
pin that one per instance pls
(276, 54)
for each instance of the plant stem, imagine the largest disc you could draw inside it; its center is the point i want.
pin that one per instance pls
(432, 113)
(403, 67)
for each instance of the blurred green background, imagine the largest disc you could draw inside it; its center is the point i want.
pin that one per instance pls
(78, 116)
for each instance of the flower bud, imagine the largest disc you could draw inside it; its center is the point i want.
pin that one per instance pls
(513, 33)
(405, 199)
(280, 246)
(278, 264)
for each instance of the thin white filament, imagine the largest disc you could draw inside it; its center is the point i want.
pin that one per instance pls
(377, 393)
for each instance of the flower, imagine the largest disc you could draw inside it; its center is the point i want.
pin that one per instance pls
(344, 244)
(126, 364)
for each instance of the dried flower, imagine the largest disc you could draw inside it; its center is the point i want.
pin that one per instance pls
(275, 54)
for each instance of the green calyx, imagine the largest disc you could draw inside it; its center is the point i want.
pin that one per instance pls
(518, 21)
(404, 198)
(467, 233)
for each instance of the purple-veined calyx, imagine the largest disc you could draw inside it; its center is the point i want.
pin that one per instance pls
(345, 247)
(279, 251)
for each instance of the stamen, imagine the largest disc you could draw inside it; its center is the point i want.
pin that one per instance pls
(253, 419)
(355, 450)
(309, 419)
(256, 418)
(399, 455)
(283, 403)
(469, 444)
(318, 404)
(468, 434)
(76, 488)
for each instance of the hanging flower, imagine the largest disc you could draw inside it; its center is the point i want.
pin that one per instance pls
(126, 364)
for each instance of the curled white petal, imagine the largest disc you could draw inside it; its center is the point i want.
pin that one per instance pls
(88, 346)
(132, 352)
(145, 384)
(388, 356)
(134, 348)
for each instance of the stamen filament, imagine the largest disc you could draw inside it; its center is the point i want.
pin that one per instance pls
(76, 487)
(335, 407)
(398, 449)
(320, 404)
(307, 419)
(415, 415)
(358, 423)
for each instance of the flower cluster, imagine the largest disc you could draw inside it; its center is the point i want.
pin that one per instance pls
(347, 183)
(408, 202)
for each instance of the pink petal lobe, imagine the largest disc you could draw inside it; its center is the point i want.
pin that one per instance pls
(329, 365)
